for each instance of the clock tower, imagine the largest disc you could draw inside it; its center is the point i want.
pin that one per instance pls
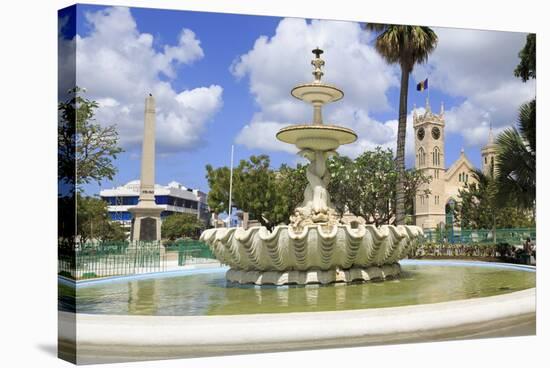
(429, 145)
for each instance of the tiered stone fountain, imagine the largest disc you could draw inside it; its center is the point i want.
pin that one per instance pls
(319, 245)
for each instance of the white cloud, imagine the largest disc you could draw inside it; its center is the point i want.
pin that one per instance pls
(119, 66)
(261, 134)
(275, 65)
(477, 66)
(473, 67)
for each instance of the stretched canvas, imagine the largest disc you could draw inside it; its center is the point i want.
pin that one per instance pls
(234, 184)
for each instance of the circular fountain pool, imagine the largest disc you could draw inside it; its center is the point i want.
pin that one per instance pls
(206, 292)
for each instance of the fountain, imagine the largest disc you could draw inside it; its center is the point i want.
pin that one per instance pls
(318, 246)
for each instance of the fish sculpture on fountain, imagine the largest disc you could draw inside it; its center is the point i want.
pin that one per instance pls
(318, 246)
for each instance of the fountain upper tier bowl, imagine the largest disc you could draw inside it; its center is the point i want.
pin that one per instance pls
(317, 136)
(317, 93)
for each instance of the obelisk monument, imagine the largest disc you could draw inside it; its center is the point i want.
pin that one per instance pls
(146, 215)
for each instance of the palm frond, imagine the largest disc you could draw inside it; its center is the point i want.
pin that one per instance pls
(376, 27)
(527, 123)
(406, 45)
(516, 169)
(480, 177)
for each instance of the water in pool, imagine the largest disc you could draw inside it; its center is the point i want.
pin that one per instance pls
(209, 294)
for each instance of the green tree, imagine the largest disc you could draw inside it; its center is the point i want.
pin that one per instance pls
(516, 160)
(268, 196)
(344, 183)
(83, 143)
(366, 186)
(181, 225)
(406, 46)
(218, 182)
(290, 183)
(113, 231)
(86, 152)
(516, 147)
(92, 221)
(415, 183)
(255, 190)
(479, 206)
(527, 67)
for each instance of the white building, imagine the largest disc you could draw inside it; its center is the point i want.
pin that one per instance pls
(173, 198)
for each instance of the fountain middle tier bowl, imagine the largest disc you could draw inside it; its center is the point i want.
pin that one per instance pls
(314, 255)
(316, 136)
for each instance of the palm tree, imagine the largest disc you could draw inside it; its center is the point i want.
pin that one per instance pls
(479, 207)
(516, 160)
(407, 46)
(487, 185)
(476, 205)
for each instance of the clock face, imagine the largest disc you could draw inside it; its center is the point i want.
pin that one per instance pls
(436, 133)
(420, 134)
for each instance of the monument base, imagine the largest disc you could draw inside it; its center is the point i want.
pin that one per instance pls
(278, 278)
(145, 224)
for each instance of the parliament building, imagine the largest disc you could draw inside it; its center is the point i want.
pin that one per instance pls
(435, 209)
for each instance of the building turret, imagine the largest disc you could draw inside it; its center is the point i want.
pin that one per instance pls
(488, 155)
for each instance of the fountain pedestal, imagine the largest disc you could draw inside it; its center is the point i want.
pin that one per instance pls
(323, 277)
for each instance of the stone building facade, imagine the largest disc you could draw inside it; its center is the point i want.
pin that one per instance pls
(435, 209)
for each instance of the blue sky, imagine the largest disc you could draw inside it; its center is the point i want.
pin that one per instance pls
(223, 79)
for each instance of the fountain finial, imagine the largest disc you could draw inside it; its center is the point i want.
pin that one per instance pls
(317, 62)
(317, 51)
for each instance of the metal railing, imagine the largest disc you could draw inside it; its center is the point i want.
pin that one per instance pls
(516, 236)
(101, 259)
(194, 251)
(191, 251)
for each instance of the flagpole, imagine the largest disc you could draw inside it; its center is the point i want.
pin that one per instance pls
(428, 79)
(230, 188)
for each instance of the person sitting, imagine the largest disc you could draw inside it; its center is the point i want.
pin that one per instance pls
(527, 246)
(528, 250)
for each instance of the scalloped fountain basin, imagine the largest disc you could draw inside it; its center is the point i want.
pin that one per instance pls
(313, 256)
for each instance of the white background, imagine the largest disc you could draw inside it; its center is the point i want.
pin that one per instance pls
(28, 187)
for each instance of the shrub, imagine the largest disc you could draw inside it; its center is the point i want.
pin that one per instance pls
(504, 249)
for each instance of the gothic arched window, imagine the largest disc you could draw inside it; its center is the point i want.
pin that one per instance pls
(436, 156)
(421, 157)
